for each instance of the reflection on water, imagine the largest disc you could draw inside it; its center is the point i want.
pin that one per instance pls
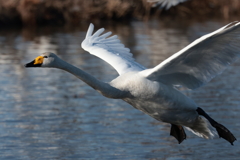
(50, 114)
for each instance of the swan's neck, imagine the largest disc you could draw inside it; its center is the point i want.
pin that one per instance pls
(104, 88)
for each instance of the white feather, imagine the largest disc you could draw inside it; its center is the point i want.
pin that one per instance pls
(110, 50)
(200, 61)
(166, 3)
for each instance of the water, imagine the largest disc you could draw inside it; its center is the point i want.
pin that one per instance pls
(50, 114)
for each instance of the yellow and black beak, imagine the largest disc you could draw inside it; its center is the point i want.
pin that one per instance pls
(37, 62)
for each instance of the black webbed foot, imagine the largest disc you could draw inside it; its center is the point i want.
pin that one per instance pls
(178, 132)
(222, 131)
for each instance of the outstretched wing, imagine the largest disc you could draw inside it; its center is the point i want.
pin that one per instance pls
(166, 3)
(200, 61)
(110, 50)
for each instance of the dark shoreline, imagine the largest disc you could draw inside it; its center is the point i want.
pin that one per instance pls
(58, 12)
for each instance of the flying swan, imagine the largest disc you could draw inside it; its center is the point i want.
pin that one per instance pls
(167, 4)
(153, 91)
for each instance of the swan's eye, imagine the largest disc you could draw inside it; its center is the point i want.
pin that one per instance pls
(45, 56)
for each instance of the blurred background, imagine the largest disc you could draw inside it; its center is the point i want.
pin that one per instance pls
(50, 114)
(62, 12)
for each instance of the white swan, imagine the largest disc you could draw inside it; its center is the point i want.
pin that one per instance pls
(152, 90)
(166, 3)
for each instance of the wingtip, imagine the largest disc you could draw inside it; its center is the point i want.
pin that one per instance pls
(91, 25)
(98, 32)
(90, 30)
(234, 23)
(237, 23)
(101, 30)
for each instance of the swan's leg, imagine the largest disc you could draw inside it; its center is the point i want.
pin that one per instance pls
(178, 132)
(222, 131)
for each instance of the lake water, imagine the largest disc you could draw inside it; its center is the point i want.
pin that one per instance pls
(50, 114)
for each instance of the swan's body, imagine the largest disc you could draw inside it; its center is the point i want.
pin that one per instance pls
(152, 90)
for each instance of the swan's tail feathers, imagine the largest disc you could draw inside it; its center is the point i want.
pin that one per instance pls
(222, 131)
(202, 128)
(178, 132)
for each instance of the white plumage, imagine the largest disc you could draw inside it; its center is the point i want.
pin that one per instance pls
(200, 61)
(110, 50)
(166, 3)
(152, 90)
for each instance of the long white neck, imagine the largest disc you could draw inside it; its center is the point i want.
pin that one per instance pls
(104, 88)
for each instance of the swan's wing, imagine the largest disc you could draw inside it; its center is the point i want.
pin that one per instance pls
(200, 61)
(166, 3)
(110, 50)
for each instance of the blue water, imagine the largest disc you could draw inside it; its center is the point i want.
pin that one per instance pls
(50, 114)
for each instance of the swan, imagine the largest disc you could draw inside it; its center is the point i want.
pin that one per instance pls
(153, 91)
(167, 4)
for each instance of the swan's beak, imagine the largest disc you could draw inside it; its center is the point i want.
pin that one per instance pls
(37, 62)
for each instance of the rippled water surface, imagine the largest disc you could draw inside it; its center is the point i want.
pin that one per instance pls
(50, 114)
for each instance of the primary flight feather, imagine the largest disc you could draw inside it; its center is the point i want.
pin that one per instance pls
(153, 91)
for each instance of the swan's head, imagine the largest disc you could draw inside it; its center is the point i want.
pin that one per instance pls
(45, 60)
